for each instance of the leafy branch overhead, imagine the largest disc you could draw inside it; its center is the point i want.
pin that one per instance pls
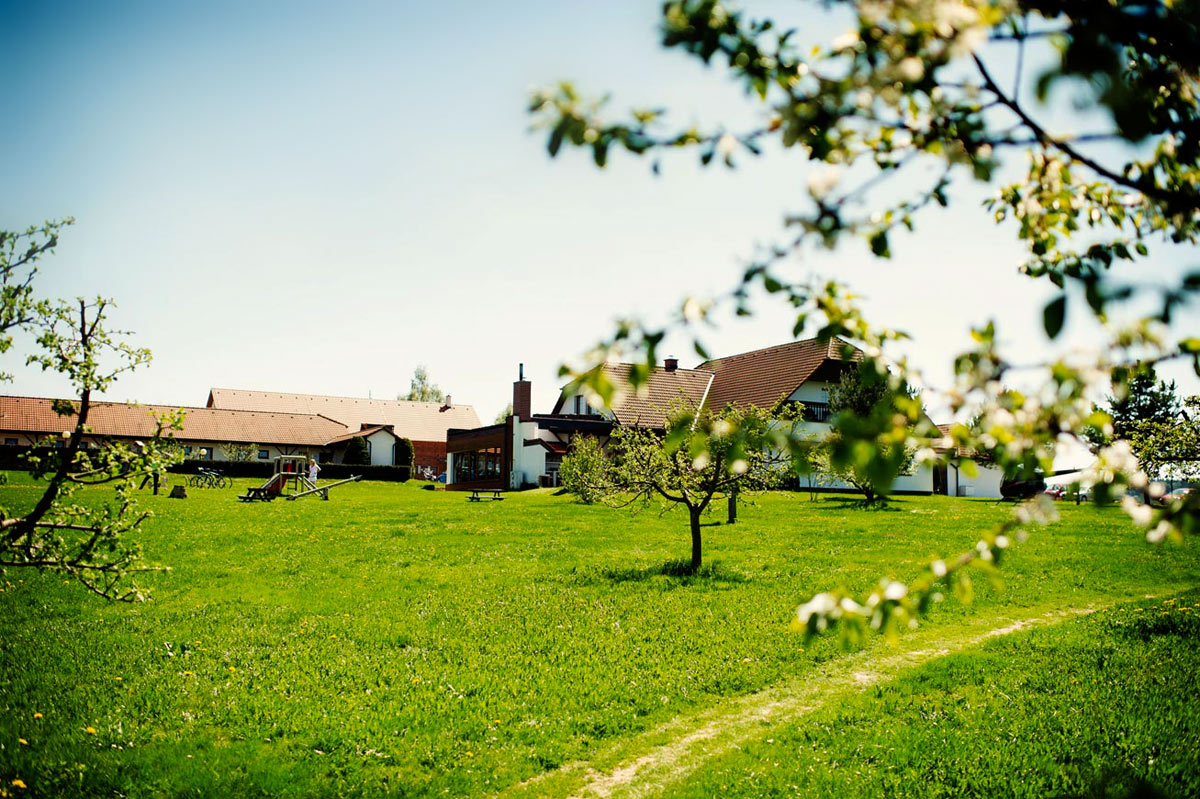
(917, 96)
(911, 86)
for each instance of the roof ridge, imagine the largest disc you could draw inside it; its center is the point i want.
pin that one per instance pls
(439, 403)
(159, 405)
(814, 340)
(662, 368)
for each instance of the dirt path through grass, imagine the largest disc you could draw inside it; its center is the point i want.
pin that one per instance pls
(648, 764)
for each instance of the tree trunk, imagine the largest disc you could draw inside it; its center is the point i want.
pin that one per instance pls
(732, 507)
(694, 514)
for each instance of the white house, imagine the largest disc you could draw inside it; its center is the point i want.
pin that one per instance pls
(528, 448)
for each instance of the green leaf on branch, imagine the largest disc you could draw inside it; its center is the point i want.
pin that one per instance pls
(1054, 315)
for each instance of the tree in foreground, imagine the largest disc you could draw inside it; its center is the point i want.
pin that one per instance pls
(89, 542)
(700, 457)
(422, 389)
(914, 89)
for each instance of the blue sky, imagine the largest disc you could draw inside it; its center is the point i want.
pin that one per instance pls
(317, 197)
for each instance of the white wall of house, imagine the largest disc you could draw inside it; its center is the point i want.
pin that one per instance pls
(985, 485)
(529, 463)
(382, 448)
(812, 391)
(578, 404)
(920, 481)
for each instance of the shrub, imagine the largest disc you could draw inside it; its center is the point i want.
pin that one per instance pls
(406, 456)
(357, 453)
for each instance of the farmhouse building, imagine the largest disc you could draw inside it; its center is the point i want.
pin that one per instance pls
(239, 418)
(527, 449)
(423, 423)
(206, 434)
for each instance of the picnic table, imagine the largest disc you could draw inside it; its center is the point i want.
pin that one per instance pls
(477, 494)
(258, 493)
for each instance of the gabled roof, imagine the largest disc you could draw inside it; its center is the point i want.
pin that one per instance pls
(762, 377)
(418, 421)
(118, 419)
(662, 388)
(366, 431)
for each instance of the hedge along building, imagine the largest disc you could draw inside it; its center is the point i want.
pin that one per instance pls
(425, 424)
(528, 448)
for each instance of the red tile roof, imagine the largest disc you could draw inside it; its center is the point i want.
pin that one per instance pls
(762, 377)
(649, 408)
(366, 431)
(418, 421)
(35, 415)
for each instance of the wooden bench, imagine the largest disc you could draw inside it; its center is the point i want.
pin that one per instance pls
(476, 494)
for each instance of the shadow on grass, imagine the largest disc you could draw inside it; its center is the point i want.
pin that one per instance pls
(672, 573)
(852, 503)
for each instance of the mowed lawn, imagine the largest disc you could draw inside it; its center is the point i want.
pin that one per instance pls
(407, 641)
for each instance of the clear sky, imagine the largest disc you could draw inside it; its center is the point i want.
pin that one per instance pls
(317, 197)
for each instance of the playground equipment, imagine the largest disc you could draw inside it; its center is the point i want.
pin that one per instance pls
(324, 490)
(288, 469)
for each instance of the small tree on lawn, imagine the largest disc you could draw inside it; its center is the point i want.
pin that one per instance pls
(583, 470)
(863, 448)
(357, 453)
(700, 456)
(239, 453)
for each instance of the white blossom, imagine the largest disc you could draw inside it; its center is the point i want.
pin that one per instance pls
(823, 181)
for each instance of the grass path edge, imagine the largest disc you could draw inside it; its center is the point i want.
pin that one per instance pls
(646, 764)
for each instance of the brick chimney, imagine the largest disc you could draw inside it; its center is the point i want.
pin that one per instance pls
(522, 396)
(671, 364)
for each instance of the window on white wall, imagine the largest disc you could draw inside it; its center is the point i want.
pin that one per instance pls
(263, 454)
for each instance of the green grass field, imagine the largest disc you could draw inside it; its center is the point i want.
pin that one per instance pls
(402, 641)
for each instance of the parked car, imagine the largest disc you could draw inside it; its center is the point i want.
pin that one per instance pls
(1054, 492)
(1176, 496)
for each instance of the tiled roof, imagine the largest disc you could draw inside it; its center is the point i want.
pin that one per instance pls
(366, 431)
(960, 452)
(762, 377)
(418, 421)
(35, 415)
(650, 408)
